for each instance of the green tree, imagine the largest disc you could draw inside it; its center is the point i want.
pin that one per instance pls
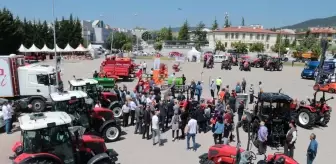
(257, 47)
(127, 46)
(119, 39)
(158, 46)
(279, 45)
(10, 32)
(184, 31)
(200, 35)
(146, 36)
(163, 34)
(286, 42)
(243, 22)
(219, 46)
(293, 45)
(170, 34)
(214, 25)
(240, 47)
(227, 22)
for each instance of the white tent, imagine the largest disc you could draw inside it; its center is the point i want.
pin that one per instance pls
(89, 47)
(46, 49)
(68, 48)
(194, 55)
(80, 48)
(23, 48)
(33, 48)
(57, 49)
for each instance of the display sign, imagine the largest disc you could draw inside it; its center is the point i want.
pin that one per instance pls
(157, 63)
(6, 87)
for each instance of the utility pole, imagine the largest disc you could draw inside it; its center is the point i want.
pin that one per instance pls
(280, 43)
(112, 39)
(58, 60)
(136, 37)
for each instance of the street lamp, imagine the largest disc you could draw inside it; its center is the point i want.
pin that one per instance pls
(136, 37)
(55, 45)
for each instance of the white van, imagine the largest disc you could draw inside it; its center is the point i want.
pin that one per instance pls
(219, 58)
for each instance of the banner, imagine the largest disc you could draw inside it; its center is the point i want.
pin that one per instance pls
(156, 65)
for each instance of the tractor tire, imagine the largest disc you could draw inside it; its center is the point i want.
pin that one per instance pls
(117, 111)
(241, 68)
(257, 65)
(111, 133)
(104, 161)
(326, 119)
(265, 69)
(280, 68)
(207, 162)
(39, 161)
(306, 119)
(38, 105)
(245, 127)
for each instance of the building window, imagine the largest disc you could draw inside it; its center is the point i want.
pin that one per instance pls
(225, 44)
(267, 46)
(244, 36)
(268, 37)
(226, 35)
(262, 37)
(258, 36)
(232, 35)
(251, 36)
(237, 35)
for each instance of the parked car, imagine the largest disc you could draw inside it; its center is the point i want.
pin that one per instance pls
(309, 71)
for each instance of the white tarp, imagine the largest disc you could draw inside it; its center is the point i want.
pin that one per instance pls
(80, 48)
(33, 48)
(45, 49)
(89, 47)
(57, 49)
(68, 48)
(192, 54)
(23, 48)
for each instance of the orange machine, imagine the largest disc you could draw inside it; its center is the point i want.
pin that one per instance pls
(160, 75)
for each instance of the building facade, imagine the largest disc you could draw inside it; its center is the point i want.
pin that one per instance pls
(319, 33)
(246, 34)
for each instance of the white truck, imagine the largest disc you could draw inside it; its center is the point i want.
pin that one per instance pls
(32, 83)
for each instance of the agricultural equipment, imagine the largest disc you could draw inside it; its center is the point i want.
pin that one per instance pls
(107, 98)
(226, 65)
(49, 138)
(226, 154)
(176, 66)
(117, 68)
(106, 83)
(260, 61)
(316, 112)
(244, 66)
(273, 64)
(96, 120)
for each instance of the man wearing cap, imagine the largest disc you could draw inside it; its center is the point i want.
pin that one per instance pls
(218, 84)
(213, 88)
(262, 138)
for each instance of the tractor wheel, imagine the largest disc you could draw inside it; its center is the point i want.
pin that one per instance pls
(241, 68)
(280, 68)
(117, 111)
(41, 161)
(331, 90)
(257, 65)
(104, 161)
(208, 162)
(38, 105)
(325, 119)
(111, 132)
(265, 68)
(306, 119)
(245, 127)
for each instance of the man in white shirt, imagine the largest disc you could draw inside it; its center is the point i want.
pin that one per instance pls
(155, 128)
(191, 131)
(144, 67)
(261, 90)
(7, 116)
(125, 109)
(132, 106)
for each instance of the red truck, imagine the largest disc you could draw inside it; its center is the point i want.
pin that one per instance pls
(118, 68)
(30, 83)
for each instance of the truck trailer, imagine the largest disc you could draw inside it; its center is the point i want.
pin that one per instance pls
(31, 83)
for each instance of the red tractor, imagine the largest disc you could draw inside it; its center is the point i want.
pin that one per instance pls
(49, 138)
(226, 154)
(316, 112)
(176, 66)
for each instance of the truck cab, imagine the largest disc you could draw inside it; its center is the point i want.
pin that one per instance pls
(33, 82)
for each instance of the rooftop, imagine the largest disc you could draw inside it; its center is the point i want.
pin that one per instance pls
(66, 96)
(247, 29)
(36, 121)
(82, 82)
(319, 30)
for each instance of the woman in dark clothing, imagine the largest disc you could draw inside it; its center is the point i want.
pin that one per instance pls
(232, 103)
(201, 120)
(184, 121)
(192, 89)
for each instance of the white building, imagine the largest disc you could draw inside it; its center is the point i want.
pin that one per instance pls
(245, 34)
(96, 32)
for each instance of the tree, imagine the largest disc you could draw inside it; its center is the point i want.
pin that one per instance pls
(279, 45)
(184, 31)
(257, 47)
(240, 47)
(170, 34)
(158, 46)
(219, 46)
(243, 22)
(200, 35)
(227, 22)
(127, 46)
(119, 39)
(293, 45)
(163, 34)
(146, 36)
(214, 25)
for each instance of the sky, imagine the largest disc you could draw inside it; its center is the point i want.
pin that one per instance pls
(157, 14)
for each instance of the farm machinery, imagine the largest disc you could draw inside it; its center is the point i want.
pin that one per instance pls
(118, 68)
(316, 112)
(226, 154)
(260, 61)
(105, 96)
(49, 138)
(273, 64)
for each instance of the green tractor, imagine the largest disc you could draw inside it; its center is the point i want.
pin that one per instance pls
(106, 83)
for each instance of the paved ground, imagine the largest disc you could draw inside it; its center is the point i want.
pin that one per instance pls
(133, 149)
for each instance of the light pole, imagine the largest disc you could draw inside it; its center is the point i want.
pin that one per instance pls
(55, 45)
(112, 34)
(136, 37)
(280, 43)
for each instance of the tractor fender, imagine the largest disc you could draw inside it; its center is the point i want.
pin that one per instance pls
(114, 103)
(107, 122)
(310, 108)
(97, 158)
(29, 158)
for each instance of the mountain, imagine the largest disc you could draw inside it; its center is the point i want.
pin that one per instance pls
(318, 22)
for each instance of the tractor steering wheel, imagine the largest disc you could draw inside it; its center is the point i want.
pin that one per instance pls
(253, 156)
